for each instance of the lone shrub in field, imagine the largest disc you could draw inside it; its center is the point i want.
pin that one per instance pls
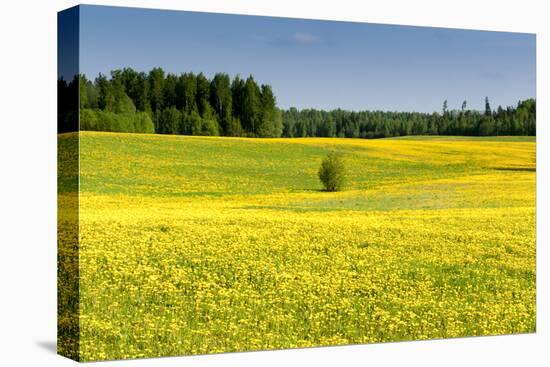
(332, 172)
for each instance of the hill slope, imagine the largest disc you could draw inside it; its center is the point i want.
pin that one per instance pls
(199, 245)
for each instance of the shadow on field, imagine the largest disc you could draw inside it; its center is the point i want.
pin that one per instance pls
(314, 190)
(528, 169)
(48, 345)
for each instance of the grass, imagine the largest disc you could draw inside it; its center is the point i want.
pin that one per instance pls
(195, 245)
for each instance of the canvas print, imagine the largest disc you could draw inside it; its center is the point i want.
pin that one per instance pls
(238, 183)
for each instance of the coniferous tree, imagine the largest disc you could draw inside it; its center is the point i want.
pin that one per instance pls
(269, 121)
(488, 111)
(250, 106)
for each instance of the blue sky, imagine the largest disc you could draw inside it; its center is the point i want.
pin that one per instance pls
(318, 64)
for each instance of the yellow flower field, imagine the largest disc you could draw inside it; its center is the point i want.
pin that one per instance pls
(192, 245)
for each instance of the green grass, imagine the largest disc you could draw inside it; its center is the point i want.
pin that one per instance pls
(206, 244)
(153, 165)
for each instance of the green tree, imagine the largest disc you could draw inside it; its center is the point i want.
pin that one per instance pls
(203, 94)
(332, 172)
(237, 94)
(156, 89)
(235, 128)
(88, 120)
(488, 111)
(195, 123)
(327, 128)
(134, 87)
(169, 121)
(143, 123)
(209, 123)
(186, 91)
(250, 106)
(104, 91)
(119, 102)
(269, 123)
(221, 101)
(169, 90)
(83, 91)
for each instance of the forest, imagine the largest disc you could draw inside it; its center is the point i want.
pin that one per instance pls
(193, 104)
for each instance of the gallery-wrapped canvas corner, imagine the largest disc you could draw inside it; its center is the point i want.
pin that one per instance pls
(236, 183)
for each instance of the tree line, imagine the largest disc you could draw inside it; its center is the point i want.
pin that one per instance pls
(192, 104)
(518, 120)
(188, 104)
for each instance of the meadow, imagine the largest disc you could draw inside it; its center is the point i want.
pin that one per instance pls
(193, 245)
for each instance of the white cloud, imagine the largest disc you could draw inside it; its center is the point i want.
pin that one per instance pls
(305, 38)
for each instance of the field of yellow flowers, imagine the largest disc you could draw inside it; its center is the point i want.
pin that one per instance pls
(192, 245)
